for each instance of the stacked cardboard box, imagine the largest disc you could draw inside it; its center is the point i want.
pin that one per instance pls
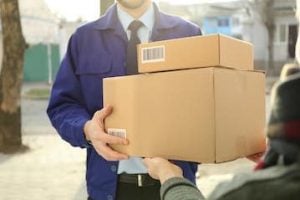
(203, 102)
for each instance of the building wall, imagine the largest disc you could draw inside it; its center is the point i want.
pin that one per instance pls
(281, 37)
(42, 28)
(249, 26)
(41, 62)
(219, 24)
(298, 37)
(39, 24)
(258, 35)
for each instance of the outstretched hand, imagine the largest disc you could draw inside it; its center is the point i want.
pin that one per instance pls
(256, 157)
(162, 169)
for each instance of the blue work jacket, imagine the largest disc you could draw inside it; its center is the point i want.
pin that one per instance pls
(95, 51)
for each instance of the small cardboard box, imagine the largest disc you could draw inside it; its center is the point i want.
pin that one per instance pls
(204, 115)
(194, 52)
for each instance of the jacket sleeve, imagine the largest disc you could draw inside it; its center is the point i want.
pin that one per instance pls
(180, 189)
(66, 109)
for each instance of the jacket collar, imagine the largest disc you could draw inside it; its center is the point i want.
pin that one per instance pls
(162, 20)
(109, 21)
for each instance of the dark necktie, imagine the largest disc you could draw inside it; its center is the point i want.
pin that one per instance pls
(131, 58)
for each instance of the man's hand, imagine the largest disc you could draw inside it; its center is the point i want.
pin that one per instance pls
(94, 131)
(161, 169)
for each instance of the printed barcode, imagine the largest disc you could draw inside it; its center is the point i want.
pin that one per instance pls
(153, 54)
(117, 132)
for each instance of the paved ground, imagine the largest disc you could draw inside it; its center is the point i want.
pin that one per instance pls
(53, 170)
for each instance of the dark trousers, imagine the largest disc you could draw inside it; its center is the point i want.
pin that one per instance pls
(127, 191)
(129, 188)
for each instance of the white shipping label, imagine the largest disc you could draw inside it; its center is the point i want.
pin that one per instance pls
(153, 54)
(117, 132)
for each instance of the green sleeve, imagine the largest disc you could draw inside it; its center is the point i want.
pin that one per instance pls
(179, 189)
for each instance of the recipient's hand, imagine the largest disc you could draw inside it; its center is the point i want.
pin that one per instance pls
(161, 169)
(95, 132)
(256, 157)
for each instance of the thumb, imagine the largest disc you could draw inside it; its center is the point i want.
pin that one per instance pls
(104, 112)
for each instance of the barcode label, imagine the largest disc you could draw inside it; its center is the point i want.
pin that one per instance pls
(153, 54)
(117, 132)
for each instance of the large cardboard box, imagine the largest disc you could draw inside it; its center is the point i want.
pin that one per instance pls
(194, 52)
(205, 115)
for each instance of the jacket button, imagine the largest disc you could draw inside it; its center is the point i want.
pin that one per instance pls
(113, 168)
(109, 197)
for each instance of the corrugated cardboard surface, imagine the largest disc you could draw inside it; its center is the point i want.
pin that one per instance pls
(194, 115)
(198, 51)
(235, 53)
(240, 116)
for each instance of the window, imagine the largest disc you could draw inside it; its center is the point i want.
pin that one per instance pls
(223, 22)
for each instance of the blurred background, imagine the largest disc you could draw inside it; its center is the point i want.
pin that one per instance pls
(48, 168)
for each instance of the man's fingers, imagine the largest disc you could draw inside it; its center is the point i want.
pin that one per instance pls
(101, 139)
(110, 139)
(102, 136)
(103, 113)
(109, 154)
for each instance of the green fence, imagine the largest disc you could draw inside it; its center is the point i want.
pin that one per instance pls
(41, 62)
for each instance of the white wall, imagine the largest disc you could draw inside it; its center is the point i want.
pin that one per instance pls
(298, 40)
(39, 24)
(281, 48)
(255, 32)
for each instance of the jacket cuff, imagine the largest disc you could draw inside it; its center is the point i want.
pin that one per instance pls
(179, 188)
(79, 134)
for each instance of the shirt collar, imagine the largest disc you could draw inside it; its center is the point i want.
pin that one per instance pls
(147, 18)
(110, 20)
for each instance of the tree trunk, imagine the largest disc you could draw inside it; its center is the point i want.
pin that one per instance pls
(271, 67)
(268, 14)
(265, 9)
(11, 76)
